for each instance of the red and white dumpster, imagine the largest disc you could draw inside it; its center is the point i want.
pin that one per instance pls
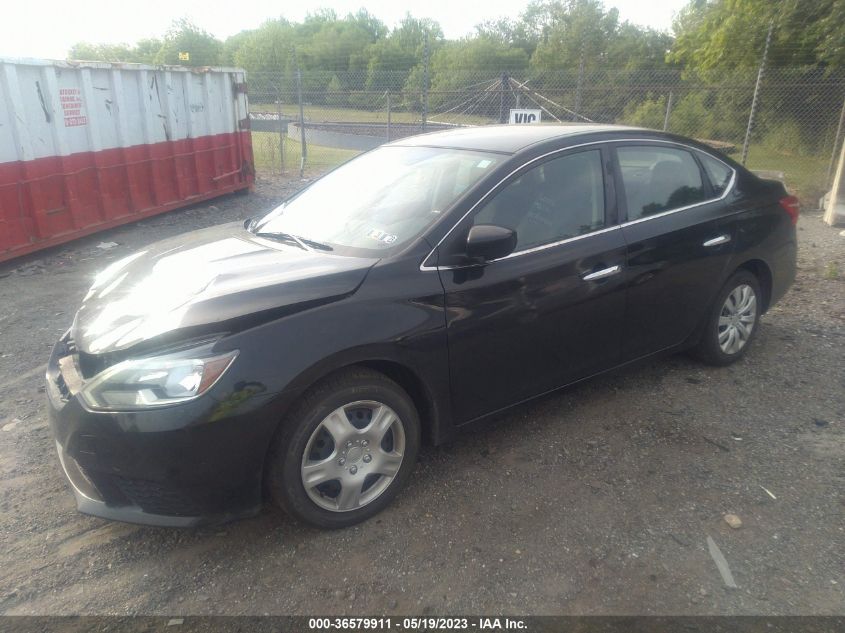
(86, 146)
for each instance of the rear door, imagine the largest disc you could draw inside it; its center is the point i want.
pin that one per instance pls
(678, 243)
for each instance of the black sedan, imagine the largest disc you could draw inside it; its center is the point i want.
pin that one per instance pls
(305, 355)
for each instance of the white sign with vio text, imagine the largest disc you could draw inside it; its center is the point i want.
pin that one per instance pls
(524, 116)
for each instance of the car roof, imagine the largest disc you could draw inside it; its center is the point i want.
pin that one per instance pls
(507, 139)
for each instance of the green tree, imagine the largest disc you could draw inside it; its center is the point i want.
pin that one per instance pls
(146, 50)
(232, 45)
(329, 44)
(459, 64)
(185, 36)
(713, 37)
(636, 48)
(722, 42)
(102, 52)
(572, 31)
(143, 52)
(268, 48)
(391, 59)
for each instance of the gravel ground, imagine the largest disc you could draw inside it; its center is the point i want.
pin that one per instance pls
(596, 500)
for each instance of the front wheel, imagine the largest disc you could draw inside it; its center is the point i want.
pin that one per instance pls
(733, 321)
(346, 450)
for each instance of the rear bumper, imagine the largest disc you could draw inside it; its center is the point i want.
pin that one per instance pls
(196, 463)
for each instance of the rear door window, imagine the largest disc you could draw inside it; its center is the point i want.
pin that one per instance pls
(718, 173)
(658, 179)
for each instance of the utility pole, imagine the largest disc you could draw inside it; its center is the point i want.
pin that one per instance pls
(756, 97)
(425, 84)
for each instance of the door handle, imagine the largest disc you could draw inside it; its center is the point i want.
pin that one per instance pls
(722, 239)
(601, 274)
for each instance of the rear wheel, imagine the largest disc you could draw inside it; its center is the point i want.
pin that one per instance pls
(346, 450)
(733, 321)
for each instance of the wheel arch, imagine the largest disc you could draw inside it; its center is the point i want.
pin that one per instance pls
(408, 379)
(431, 400)
(435, 421)
(763, 272)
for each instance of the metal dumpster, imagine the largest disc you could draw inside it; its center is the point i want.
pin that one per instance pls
(86, 146)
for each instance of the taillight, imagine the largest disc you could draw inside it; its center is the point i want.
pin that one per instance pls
(791, 205)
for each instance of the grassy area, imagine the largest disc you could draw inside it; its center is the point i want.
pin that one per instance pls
(321, 114)
(804, 175)
(265, 147)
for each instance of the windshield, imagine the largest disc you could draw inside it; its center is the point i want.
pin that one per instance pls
(378, 201)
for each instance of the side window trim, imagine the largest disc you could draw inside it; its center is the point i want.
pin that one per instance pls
(563, 154)
(543, 247)
(429, 263)
(608, 188)
(622, 203)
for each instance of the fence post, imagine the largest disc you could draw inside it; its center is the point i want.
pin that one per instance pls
(580, 86)
(754, 100)
(388, 116)
(425, 84)
(668, 112)
(281, 129)
(303, 148)
(828, 181)
(502, 85)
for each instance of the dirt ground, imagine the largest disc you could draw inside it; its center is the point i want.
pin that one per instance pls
(597, 500)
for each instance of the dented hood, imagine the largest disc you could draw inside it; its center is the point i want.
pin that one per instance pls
(206, 281)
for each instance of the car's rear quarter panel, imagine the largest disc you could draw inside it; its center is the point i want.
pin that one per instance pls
(763, 232)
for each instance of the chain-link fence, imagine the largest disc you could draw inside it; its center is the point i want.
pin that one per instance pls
(311, 121)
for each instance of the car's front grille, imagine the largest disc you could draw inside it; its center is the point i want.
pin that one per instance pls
(61, 385)
(157, 498)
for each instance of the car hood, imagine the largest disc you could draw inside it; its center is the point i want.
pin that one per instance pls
(208, 281)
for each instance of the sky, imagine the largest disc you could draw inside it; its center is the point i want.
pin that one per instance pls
(51, 27)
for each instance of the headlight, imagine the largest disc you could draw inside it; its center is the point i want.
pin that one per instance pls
(144, 383)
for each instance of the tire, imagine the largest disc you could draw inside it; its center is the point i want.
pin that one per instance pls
(715, 347)
(331, 442)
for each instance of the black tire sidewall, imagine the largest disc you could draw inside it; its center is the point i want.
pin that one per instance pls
(285, 480)
(710, 348)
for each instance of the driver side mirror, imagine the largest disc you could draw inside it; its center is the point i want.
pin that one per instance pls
(487, 242)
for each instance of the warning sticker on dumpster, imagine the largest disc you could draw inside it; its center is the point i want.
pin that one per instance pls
(72, 108)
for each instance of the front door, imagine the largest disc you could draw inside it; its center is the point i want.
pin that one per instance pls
(552, 311)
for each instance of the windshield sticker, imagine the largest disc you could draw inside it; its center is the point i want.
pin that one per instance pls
(382, 236)
(483, 164)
